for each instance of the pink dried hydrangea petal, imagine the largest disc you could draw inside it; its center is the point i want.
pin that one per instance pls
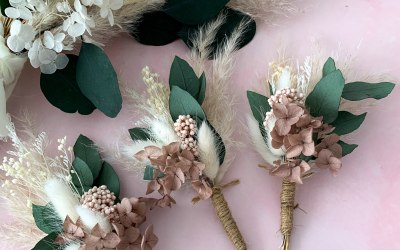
(294, 151)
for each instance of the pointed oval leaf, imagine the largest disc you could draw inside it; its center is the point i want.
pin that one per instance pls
(141, 134)
(325, 98)
(346, 122)
(347, 148)
(98, 80)
(329, 67)
(233, 20)
(259, 105)
(47, 243)
(156, 28)
(194, 11)
(356, 91)
(182, 103)
(86, 150)
(203, 87)
(45, 219)
(109, 178)
(62, 91)
(81, 174)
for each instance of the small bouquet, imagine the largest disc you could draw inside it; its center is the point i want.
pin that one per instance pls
(298, 129)
(56, 203)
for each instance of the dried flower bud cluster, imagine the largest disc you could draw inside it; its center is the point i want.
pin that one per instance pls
(186, 128)
(174, 166)
(100, 199)
(292, 95)
(296, 132)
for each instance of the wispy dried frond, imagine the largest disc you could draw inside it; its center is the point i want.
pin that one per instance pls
(264, 10)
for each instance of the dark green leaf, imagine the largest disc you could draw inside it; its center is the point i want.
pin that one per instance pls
(98, 80)
(259, 105)
(329, 67)
(45, 219)
(347, 148)
(47, 243)
(325, 98)
(194, 11)
(62, 91)
(86, 150)
(233, 20)
(183, 76)
(4, 4)
(202, 92)
(182, 103)
(141, 134)
(148, 173)
(271, 91)
(346, 122)
(156, 28)
(81, 174)
(109, 178)
(220, 145)
(356, 91)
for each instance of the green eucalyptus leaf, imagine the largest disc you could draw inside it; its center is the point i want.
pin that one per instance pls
(356, 91)
(62, 91)
(219, 144)
(148, 173)
(329, 67)
(183, 76)
(47, 243)
(182, 103)
(156, 28)
(81, 174)
(98, 80)
(325, 98)
(259, 105)
(232, 21)
(45, 218)
(140, 134)
(346, 122)
(271, 90)
(4, 4)
(87, 151)
(193, 11)
(347, 148)
(109, 178)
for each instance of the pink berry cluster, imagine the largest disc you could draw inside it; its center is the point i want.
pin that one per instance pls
(291, 94)
(186, 128)
(100, 199)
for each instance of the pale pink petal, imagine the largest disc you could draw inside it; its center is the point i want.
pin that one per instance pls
(280, 110)
(294, 151)
(296, 175)
(308, 149)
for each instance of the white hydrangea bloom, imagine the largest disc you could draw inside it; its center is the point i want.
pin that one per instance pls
(21, 12)
(79, 22)
(54, 61)
(108, 6)
(92, 2)
(54, 42)
(21, 36)
(63, 7)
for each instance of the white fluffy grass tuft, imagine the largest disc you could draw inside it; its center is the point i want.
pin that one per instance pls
(73, 246)
(208, 150)
(90, 219)
(62, 198)
(259, 142)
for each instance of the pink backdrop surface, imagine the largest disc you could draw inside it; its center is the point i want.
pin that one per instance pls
(357, 210)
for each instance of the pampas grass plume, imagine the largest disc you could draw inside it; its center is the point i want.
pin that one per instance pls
(208, 150)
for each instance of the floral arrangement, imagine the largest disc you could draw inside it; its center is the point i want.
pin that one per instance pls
(57, 203)
(298, 129)
(42, 31)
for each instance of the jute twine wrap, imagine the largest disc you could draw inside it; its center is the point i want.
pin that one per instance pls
(287, 208)
(6, 24)
(225, 216)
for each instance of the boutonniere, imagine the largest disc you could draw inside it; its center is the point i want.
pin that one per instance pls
(298, 129)
(60, 203)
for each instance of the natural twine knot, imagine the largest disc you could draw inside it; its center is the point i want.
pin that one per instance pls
(287, 208)
(225, 216)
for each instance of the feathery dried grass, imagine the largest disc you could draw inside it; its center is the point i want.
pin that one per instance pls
(264, 10)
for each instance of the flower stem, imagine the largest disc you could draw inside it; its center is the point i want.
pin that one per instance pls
(287, 208)
(224, 214)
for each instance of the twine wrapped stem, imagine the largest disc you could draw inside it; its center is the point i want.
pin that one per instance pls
(287, 209)
(225, 216)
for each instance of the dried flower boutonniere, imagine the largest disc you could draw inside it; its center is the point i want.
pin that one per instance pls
(56, 203)
(298, 129)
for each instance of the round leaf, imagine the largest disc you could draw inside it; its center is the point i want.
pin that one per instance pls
(109, 178)
(194, 11)
(233, 20)
(325, 98)
(98, 80)
(62, 91)
(156, 28)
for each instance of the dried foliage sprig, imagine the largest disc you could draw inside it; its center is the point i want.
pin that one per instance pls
(57, 203)
(298, 128)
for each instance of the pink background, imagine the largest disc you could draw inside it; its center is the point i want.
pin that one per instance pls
(358, 210)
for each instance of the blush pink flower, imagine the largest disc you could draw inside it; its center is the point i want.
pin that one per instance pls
(292, 170)
(330, 142)
(149, 240)
(131, 238)
(299, 143)
(327, 160)
(131, 212)
(287, 114)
